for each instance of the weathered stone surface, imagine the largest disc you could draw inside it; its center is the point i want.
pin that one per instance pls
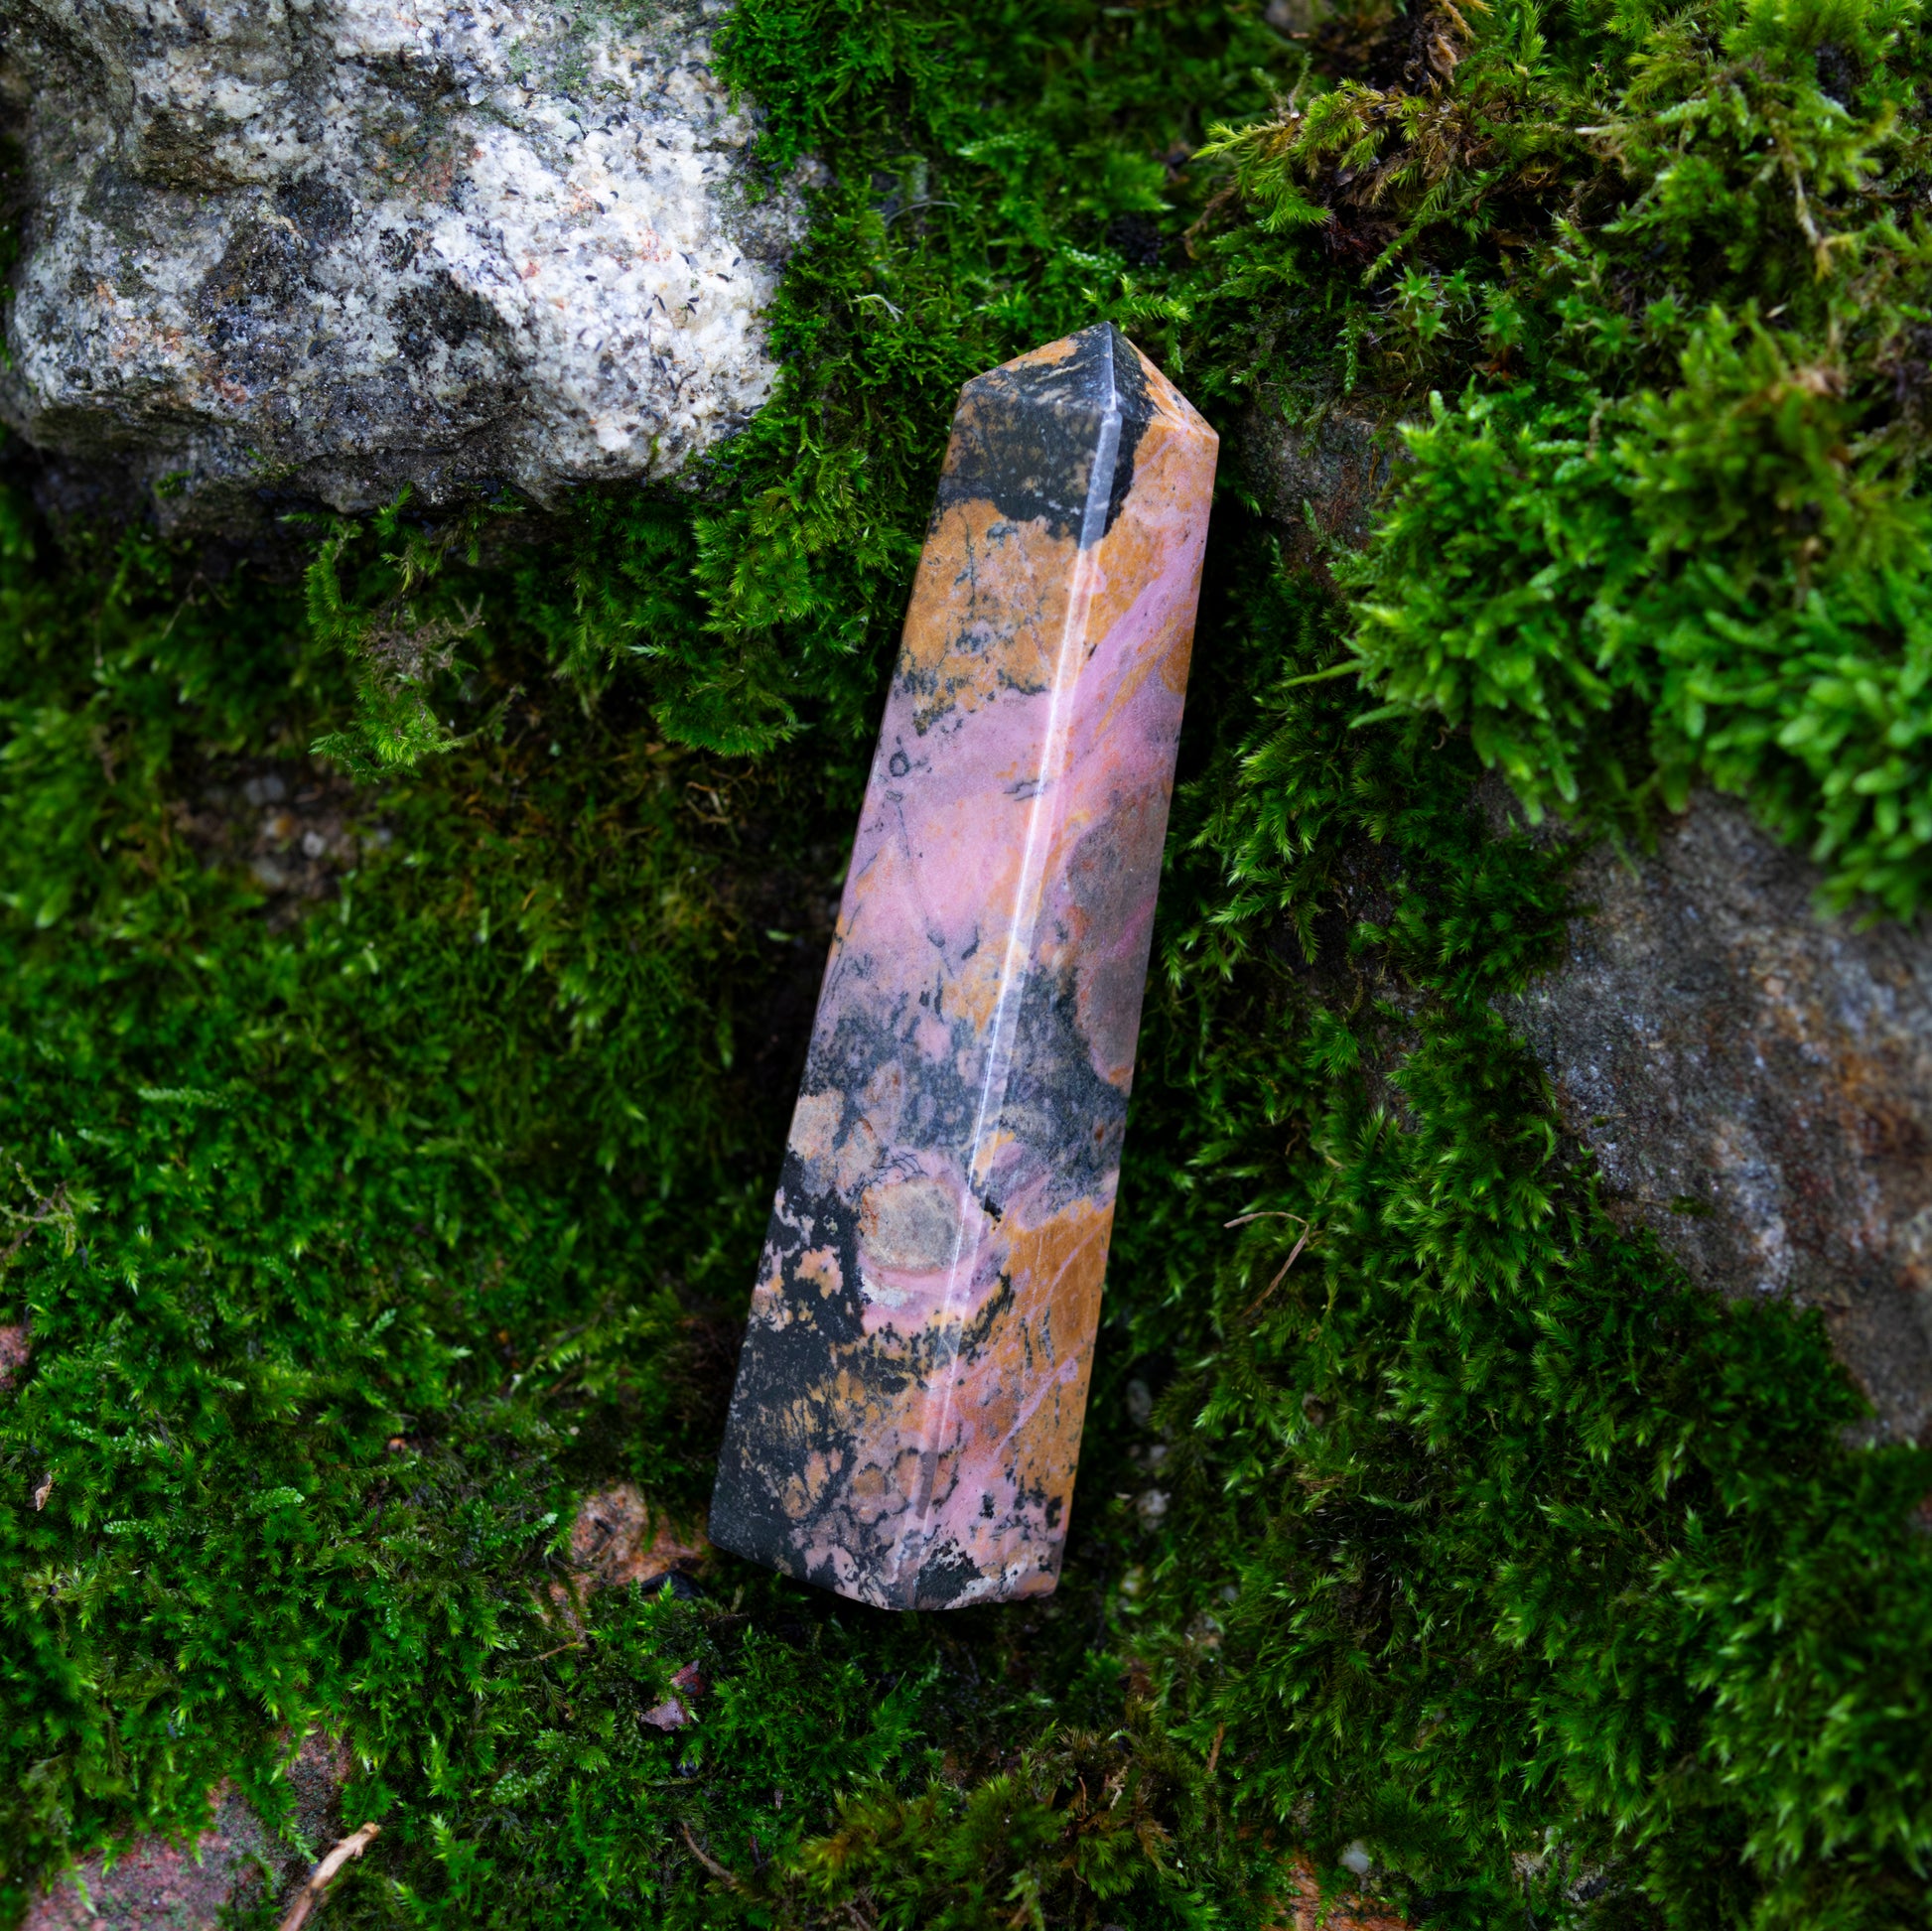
(1756, 1082)
(618, 1539)
(153, 1886)
(320, 248)
(1319, 475)
(1304, 1908)
(160, 1887)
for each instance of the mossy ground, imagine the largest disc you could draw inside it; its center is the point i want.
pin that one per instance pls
(362, 1234)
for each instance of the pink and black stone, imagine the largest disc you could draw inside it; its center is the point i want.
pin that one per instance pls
(908, 1413)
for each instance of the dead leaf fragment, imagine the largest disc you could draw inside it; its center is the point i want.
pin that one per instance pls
(674, 1712)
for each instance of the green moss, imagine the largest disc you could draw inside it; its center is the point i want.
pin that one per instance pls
(1672, 272)
(365, 1233)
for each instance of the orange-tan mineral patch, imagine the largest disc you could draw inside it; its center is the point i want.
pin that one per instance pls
(1057, 1271)
(819, 1266)
(1172, 471)
(1049, 356)
(988, 614)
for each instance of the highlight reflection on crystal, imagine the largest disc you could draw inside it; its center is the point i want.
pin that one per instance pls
(907, 1413)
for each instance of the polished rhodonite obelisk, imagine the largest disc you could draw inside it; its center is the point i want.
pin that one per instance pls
(908, 1412)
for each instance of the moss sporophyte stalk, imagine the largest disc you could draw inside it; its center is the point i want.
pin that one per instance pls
(375, 1205)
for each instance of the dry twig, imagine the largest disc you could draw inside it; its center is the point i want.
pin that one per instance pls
(1293, 1253)
(710, 1862)
(320, 1878)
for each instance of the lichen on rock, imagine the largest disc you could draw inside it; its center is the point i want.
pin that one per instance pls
(326, 248)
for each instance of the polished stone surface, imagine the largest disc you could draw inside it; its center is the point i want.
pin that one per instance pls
(907, 1413)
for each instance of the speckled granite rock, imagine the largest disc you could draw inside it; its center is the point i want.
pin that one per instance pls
(1756, 1085)
(278, 249)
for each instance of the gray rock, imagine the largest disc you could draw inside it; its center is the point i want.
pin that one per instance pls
(288, 249)
(1319, 469)
(1756, 1082)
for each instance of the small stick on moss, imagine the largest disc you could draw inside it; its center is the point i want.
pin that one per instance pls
(1215, 1749)
(710, 1862)
(907, 209)
(1293, 1253)
(320, 1878)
